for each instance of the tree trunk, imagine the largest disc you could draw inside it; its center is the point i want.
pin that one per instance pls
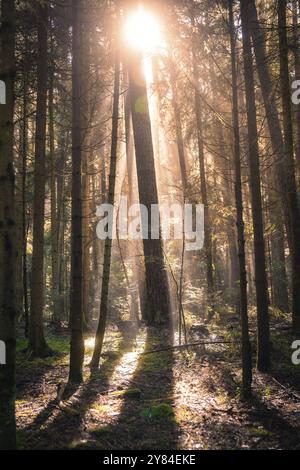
(158, 299)
(284, 165)
(53, 191)
(76, 304)
(243, 304)
(111, 200)
(37, 344)
(203, 184)
(7, 231)
(178, 125)
(296, 51)
(263, 343)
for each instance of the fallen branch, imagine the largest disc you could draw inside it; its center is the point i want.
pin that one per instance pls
(188, 345)
(288, 390)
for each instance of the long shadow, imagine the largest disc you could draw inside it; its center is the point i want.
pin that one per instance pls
(58, 428)
(30, 376)
(147, 418)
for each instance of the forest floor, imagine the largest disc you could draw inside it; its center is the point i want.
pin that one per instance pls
(174, 399)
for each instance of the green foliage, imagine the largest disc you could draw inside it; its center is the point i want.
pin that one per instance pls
(60, 346)
(130, 393)
(162, 411)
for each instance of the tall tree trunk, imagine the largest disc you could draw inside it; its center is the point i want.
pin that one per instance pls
(277, 248)
(178, 124)
(76, 304)
(203, 183)
(263, 343)
(24, 173)
(53, 191)
(111, 200)
(37, 344)
(296, 51)
(284, 165)
(86, 180)
(7, 231)
(243, 304)
(158, 299)
(138, 277)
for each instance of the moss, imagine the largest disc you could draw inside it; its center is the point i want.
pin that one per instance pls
(60, 346)
(129, 393)
(101, 431)
(161, 411)
(260, 432)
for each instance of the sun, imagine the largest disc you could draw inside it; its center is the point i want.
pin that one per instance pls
(142, 31)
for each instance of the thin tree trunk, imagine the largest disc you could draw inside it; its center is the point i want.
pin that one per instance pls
(178, 125)
(243, 304)
(24, 222)
(263, 343)
(7, 231)
(76, 304)
(203, 183)
(296, 51)
(111, 200)
(53, 191)
(37, 343)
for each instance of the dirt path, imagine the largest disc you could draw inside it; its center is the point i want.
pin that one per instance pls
(166, 400)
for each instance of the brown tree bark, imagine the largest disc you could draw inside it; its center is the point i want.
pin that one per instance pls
(158, 299)
(7, 231)
(243, 304)
(263, 343)
(284, 165)
(37, 343)
(76, 304)
(203, 183)
(111, 200)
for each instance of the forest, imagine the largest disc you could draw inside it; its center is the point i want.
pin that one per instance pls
(149, 225)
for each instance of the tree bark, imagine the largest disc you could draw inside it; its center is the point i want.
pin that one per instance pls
(284, 165)
(158, 299)
(263, 343)
(37, 343)
(203, 183)
(76, 301)
(111, 200)
(243, 304)
(7, 231)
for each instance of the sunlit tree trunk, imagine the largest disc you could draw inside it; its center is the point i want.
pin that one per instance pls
(203, 182)
(76, 304)
(178, 124)
(7, 230)
(158, 300)
(263, 343)
(138, 276)
(37, 344)
(111, 200)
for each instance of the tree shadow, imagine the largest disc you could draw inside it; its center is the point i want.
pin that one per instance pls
(57, 426)
(147, 416)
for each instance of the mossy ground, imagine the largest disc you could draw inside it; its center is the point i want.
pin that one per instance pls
(181, 399)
